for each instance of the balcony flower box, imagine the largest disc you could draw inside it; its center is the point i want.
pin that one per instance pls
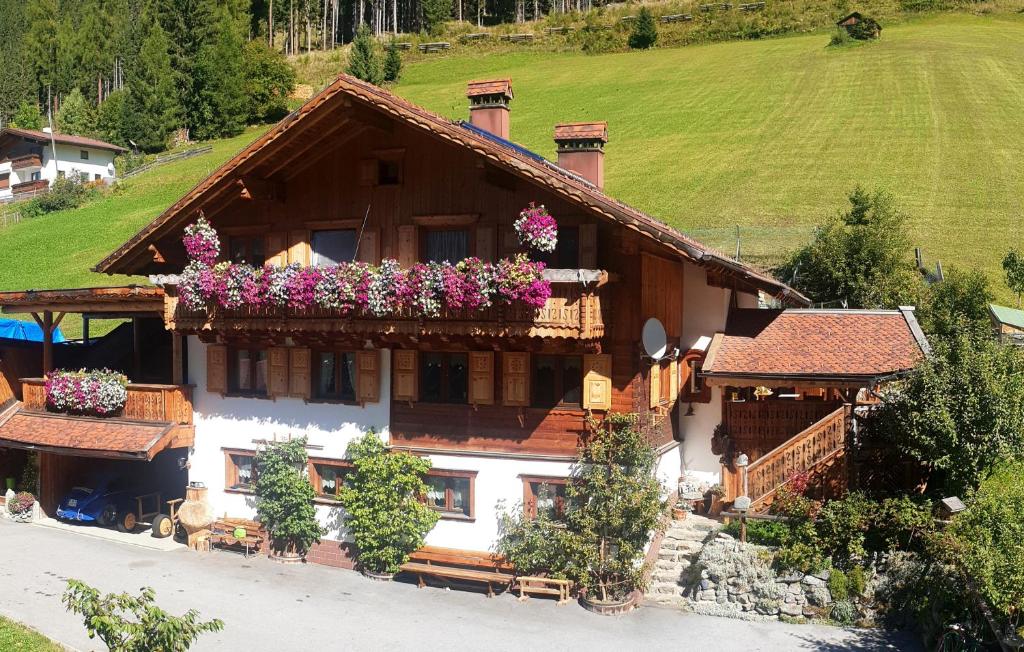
(100, 392)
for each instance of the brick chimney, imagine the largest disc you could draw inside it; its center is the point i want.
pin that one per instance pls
(581, 149)
(488, 105)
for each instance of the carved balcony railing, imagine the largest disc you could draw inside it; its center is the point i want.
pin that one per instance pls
(810, 451)
(26, 162)
(574, 311)
(162, 403)
(39, 185)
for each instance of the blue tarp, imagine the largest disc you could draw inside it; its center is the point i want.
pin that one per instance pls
(29, 331)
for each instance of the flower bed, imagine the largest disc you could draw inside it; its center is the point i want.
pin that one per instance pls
(99, 392)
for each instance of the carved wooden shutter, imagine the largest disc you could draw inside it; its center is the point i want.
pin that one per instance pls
(673, 370)
(368, 172)
(368, 376)
(369, 246)
(216, 368)
(485, 243)
(299, 380)
(655, 370)
(481, 377)
(404, 385)
(407, 245)
(515, 375)
(277, 249)
(277, 381)
(597, 381)
(298, 247)
(588, 246)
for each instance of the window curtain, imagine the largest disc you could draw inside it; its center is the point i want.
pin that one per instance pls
(452, 246)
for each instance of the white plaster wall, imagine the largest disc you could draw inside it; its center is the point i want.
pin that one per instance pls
(235, 422)
(669, 468)
(69, 160)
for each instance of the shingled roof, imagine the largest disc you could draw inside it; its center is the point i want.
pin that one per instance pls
(66, 139)
(348, 91)
(816, 344)
(83, 436)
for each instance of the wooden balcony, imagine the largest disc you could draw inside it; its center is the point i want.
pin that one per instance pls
(159, 403)
(27, 162)
(40, 185)
(574, 311)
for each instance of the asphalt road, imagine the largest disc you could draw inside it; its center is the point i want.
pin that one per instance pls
(268, 606)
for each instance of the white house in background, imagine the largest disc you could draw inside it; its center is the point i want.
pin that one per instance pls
(31, 160)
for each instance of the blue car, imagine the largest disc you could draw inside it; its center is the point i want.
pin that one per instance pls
(105, 501)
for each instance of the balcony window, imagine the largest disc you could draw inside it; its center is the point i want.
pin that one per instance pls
(451, 493)
(557, 380)
(336, 376)
(442, 245)
(247, 372)
(543, 495)
(241, 471)
(334, 246)
(247, 249)
(567, 252)
(444, 377)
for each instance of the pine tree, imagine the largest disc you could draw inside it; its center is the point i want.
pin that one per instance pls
(435, 13)
(76, 116)
(151, 110)
(109, 118)
(219, 104)
(392, 62)
(645, 31)
(363, 59)
(17, 85)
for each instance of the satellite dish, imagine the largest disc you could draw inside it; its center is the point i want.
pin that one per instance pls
(654, 339)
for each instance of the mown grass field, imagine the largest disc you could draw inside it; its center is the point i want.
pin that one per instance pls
(17, 638)
(765, 135)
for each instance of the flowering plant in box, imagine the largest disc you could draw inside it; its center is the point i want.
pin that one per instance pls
(201, 242)
(537, 229)
(100, 392)
(22, 503)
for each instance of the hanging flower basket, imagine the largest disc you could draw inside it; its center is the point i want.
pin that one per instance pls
(537, 229)
(201, 242)
(99, 392)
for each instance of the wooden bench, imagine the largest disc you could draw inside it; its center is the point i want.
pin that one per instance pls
(677, 18)
(222, 532)
(517, 38)
(434, 47)
(558, 30)
(464, 565)
(752, 6)
(403, 45)
(544, 586)
(475, 36)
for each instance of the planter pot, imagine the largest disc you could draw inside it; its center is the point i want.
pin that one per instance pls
(378, 577)
(608, 608)
(286, 557)
(678, 514)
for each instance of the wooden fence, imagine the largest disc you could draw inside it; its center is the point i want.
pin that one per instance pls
(160, 160)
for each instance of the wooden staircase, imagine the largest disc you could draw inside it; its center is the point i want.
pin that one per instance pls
(819, 451)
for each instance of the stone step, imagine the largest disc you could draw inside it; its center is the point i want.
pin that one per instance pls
(664, 588)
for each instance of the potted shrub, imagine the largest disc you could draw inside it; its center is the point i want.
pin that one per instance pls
(383, 511)
(713, 500)
(21, 507)
(284, 499)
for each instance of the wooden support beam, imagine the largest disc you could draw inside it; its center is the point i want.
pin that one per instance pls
(253, 188)
(47, 327)
(177, 371)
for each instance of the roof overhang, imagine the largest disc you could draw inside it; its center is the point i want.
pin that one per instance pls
(97, 301)
(792, 380)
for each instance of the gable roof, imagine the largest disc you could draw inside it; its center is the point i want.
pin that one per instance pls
(65, 139)
(348, 91)
(816, 344)
(1009, 316)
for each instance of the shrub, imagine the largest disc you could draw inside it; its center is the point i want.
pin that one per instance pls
(645, 31)
(866, 29)
(382, 506)
(126, 623)
(269, 81)
(856, 580)
(22, 503)
(838, 585)
(842, 527)
(364, 59)
(900, 524)
(65, 193)
(843, 612)
(596, 38)
(534, 545)
(762, 533)
(284, 496)
(840, 37)
(392, 62)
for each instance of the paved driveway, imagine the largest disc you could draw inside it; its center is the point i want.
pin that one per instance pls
(268, 606)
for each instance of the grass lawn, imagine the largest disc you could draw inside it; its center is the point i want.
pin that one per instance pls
(771, 135)
(17, 638)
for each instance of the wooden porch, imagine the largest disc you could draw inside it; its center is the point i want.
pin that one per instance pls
(158, 403)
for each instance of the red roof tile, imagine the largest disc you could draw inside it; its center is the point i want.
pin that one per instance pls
(89, 437)
(67, 139)
(489, 87)
(582, 130)
(816, 343)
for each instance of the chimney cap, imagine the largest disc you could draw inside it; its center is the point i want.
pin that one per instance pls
(582, 131)
(489, 87)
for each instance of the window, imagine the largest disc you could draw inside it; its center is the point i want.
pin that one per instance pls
(328, 478)
(335, 376)
(247, 372)
(543, 495)
(36, 176)
(444, 377)
(240, 470)
(247, 249)
(557, 380)
(389, 172)
(451, 492)
(567, 252)
(83, 177)
(97, 177)
(83, 154)
(333, 247)
(442, 245)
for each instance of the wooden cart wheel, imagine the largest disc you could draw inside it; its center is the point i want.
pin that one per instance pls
(127, 522)
(163, 526)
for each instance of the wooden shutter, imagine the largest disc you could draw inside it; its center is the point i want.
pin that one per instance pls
(299, 380)
(276, 249)
(407, 245)
(597, 381)
(216, 368)
(673, 370)
(515, 375)
(485, 243)
(277, 380)
(481, 377)
(655, 370)
(588, 246)
(405, 383)
(298, 247)
(369, 246)
(368, 172)
(368, 376)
